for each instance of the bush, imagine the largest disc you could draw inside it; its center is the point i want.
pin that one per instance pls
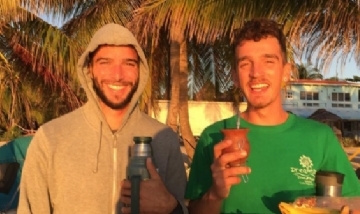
(349, 142)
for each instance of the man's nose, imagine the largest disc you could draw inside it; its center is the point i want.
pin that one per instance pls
(118, 71)
(257, 70)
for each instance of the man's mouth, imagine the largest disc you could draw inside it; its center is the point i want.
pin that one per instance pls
(259, 86)
(116, 87)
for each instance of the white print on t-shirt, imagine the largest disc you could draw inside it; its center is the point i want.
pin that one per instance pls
(306, 173)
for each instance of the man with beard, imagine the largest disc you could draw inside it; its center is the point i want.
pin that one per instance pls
(77, 163)
(286, 150)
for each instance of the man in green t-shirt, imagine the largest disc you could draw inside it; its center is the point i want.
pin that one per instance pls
(286, 150)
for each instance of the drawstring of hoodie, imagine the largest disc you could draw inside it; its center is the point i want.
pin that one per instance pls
(98, 151)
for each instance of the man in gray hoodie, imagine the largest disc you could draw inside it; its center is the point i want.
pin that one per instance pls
(77, 163)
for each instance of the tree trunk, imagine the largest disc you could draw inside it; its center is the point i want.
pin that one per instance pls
(185, 129)
(173, 110)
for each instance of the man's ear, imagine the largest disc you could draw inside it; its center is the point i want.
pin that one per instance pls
(90, 71)
(235, 77)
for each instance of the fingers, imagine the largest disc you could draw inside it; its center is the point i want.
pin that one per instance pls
(125, 196)
(221, 186)
(230, 171)
(125, 188)
(227, 183)
(126, 209)
(152, 169)
(224, 176)
(125, 200)
(125, 183)
(229, 176)
(218, 148)
(224, 160)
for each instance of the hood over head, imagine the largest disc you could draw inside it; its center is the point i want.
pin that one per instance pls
(112, 34)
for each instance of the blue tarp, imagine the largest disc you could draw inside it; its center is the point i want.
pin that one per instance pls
(13, 152)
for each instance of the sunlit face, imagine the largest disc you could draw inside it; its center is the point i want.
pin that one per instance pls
(115, 72)
(260, 70)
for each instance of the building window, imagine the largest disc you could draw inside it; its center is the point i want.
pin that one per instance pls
(340, 97)
(341, 105)
(311, 104)
(309, 95)
(289, 95)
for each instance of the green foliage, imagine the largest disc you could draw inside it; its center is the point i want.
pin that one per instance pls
(354, 79)
(38, 79)
(333, 79)
(308, 71)
(10, 134)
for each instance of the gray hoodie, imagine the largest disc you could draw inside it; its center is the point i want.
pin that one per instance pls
(75, 163)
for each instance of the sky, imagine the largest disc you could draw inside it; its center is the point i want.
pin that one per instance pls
(350, 69)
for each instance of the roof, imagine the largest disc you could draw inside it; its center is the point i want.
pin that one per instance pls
(324, 115)
(324, 82)
(345, 114)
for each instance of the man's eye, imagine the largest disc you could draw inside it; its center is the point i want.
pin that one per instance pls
(244, 64)
(269, 61)
(104, 62)
(132, 64)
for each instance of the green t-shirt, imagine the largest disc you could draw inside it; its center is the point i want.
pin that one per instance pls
(283, 161)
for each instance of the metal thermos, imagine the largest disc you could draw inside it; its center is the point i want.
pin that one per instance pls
(136, 170)
(328, 183)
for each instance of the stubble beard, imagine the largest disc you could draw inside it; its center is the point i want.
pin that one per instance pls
(258, 105)
(119, 105)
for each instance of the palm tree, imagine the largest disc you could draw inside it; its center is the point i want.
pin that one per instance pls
(37, 82)
(210, 76)
(308, 71)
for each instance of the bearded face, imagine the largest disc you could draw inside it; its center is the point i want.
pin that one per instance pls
(115, 74)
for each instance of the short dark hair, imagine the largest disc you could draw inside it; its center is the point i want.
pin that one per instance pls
(257, 29)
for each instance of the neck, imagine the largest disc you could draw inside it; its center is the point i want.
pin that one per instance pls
(268, 116)
(113, 117)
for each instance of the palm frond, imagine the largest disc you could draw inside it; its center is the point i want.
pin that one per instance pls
(326, 26)
(86, 18)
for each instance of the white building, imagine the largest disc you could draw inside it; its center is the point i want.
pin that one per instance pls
(301, 97)
(304, 97)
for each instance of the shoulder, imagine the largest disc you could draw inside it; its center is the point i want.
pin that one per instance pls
(305, 123)
(217, 126)
(312, 131)
(153, 127)
(65, 123)
(147, 120)
(59, 129)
